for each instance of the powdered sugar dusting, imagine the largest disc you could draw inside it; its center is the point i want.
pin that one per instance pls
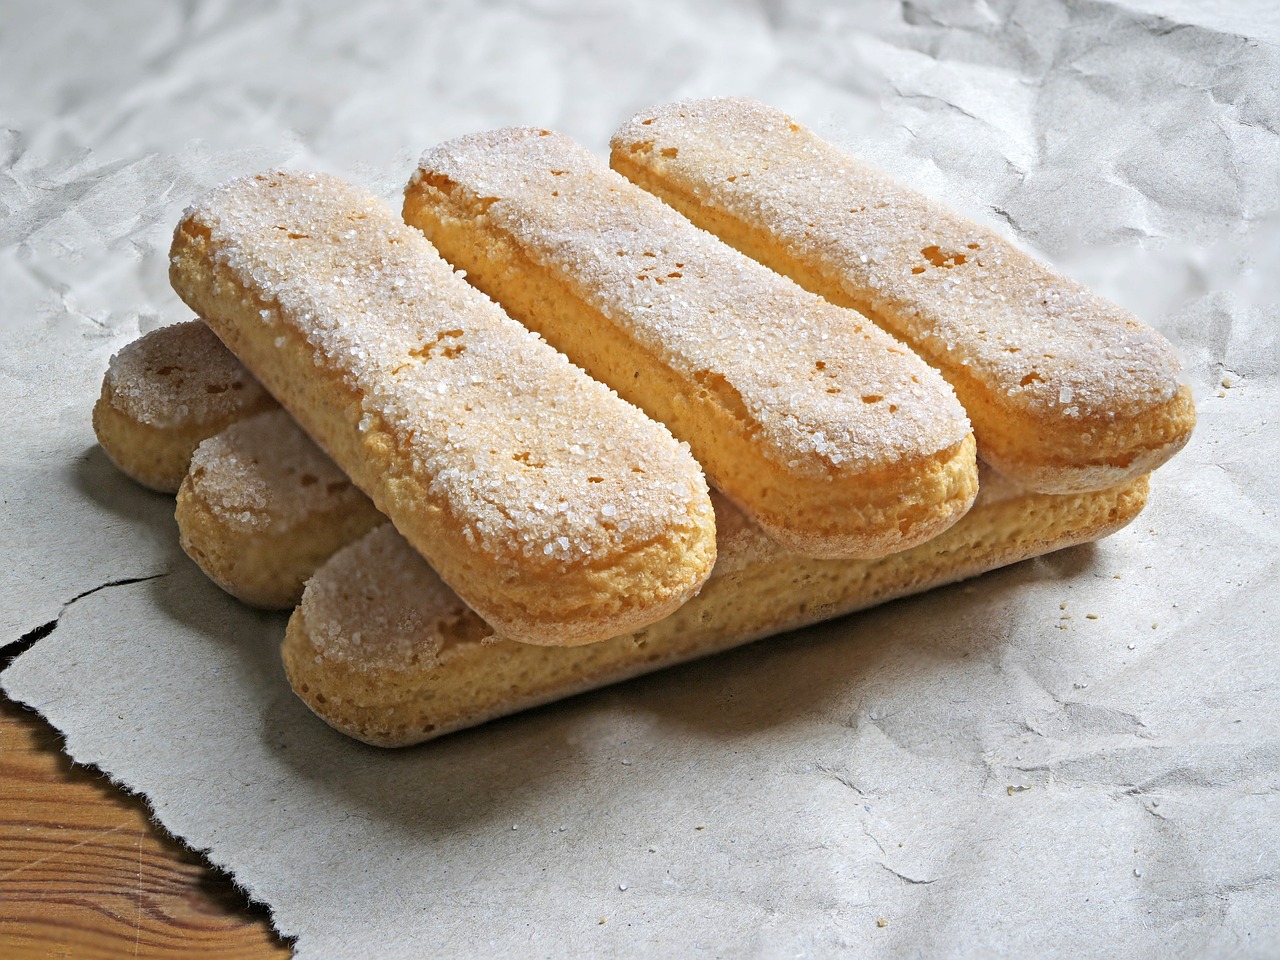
(518, 443)
(264, 473)
(180, 375)
(820, 388)
(965, 298)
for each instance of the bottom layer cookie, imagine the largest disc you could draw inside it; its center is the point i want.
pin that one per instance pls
(382, 651)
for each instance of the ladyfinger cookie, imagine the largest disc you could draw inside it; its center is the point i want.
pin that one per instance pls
(381, 650)
(560, 513)
(164, 393)
(262, 507)
(1066, 391)
(835, 438)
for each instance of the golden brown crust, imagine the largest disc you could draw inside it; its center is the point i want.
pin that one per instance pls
(1065, 390)
(163, 394)
(559, 512)
(830, 434)
(381, 650)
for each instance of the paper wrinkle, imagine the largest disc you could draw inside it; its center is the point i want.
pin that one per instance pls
(981, 767)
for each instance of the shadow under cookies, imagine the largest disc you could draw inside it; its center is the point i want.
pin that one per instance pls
(93, 475)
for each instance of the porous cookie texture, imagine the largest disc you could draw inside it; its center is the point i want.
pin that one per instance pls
(381, 650)
(560, 513)
(262, 507)
(834, 437)
(1066, 391)
(164, 393)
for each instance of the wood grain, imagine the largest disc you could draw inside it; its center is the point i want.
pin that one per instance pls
(85, 874)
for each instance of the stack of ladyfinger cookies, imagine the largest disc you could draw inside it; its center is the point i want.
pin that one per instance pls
(535, 374)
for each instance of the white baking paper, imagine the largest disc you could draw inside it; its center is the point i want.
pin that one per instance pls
(1078, 756)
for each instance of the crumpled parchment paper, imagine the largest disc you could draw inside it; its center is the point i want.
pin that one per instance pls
(1076, 756)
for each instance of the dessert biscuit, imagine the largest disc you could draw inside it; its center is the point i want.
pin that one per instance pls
(835, 438)
(262, 507)
(560, 513)
(382, 651)
(164, 393)
(1066, 391)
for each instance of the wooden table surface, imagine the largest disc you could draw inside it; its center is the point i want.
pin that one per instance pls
(85, 874)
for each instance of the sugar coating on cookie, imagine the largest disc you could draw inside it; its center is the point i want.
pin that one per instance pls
(959, 288)
(265, 474)
(380, 606)
(179, 375)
